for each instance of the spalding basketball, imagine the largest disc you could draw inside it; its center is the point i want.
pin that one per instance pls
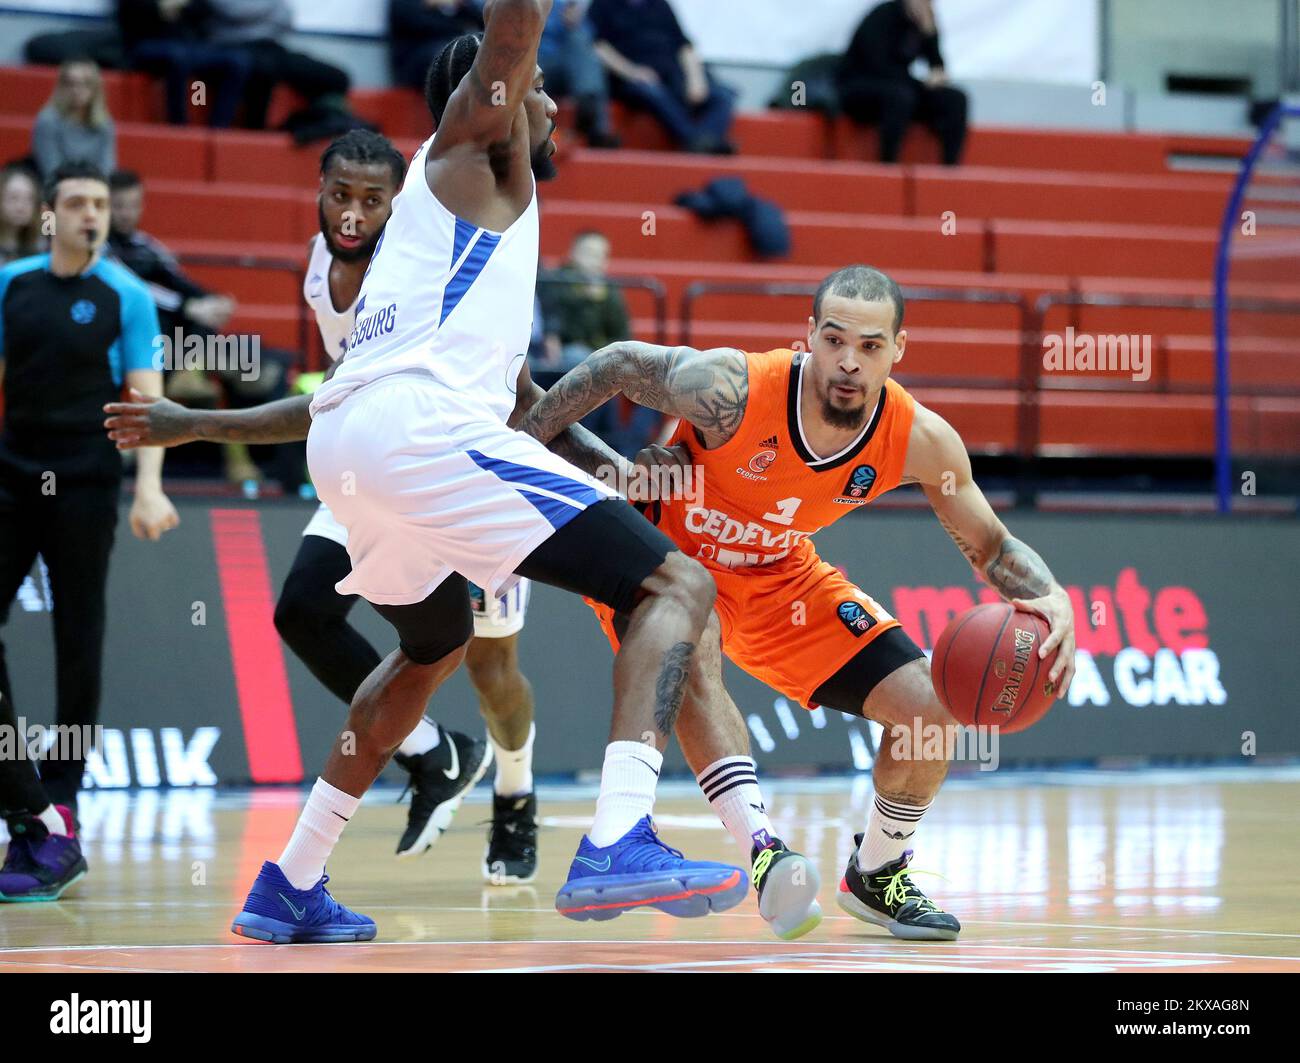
(987, 671)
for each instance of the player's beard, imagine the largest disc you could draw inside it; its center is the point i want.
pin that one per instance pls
(838, 417)
(542, 161)
(346, 254)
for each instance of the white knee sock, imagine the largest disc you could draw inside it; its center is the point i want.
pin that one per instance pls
(731, 786)
(514, 766)
(889, 832)
(425, 737)
(322, 821)
(627, 790)
(53, 820)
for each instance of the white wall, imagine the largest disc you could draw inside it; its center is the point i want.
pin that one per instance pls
(1021, 40)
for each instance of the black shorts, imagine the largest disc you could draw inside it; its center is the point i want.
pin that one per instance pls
(848, 688)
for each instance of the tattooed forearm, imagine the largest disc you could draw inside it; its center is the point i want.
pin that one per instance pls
(587, 451)
(972, 554)
(670, 688)
(283, 421)
(707, 388)
(1018, 572)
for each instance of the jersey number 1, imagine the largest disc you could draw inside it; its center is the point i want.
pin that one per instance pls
(785, 511)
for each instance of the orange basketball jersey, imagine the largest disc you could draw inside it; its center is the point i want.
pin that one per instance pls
(763, 491)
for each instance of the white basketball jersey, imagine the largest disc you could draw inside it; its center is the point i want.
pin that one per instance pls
(335, 325)
(443, 296)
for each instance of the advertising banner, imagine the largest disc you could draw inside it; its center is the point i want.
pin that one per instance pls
(1187, 631)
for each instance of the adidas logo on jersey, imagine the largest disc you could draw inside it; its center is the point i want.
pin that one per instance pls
(761, 461)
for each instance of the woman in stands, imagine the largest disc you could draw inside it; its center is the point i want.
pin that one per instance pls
(20, 215)
(75, 126)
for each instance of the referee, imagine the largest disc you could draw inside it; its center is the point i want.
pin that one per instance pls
(73, 328)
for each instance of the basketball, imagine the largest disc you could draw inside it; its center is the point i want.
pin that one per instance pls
(987, 671)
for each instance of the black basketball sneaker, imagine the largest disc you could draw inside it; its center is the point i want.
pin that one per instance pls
(889, 898)
(440, 779)
(511, 856)
(787, 885)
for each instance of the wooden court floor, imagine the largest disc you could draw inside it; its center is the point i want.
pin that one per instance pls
(1176, 871)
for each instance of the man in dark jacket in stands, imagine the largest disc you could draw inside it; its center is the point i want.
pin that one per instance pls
(655, 68)
(876, 85)
(257, 27)
(419, 29)
(180, 301)
(166, 37)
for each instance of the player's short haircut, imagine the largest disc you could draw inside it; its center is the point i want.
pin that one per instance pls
(365, 147)
(448, 70)
(119, 180)
(587, 234)
(71, 171)
(861, 282)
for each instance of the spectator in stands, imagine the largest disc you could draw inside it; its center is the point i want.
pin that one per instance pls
(419, 29)
(180, 301)
(568, 58)
(166, 37)
(876, 85)
(256, 27)
(20, 214)
(583, 312)
(183, 304)
(74, 126)
(656, 69)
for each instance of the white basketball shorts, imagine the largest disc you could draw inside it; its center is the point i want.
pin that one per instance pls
(428, 482)
(494, 618)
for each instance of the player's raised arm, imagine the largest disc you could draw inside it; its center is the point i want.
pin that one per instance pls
(483, 108)
(707, 388)
(937, 460)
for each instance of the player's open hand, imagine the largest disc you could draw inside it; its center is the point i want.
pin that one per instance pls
(149, 421)
(152, 513)
(1056, 609)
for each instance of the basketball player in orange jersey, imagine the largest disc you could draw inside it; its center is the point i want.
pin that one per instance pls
(787, 443)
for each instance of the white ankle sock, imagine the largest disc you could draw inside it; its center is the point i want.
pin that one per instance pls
(425, 737)
(322, 821)
(627, 790)
(889, 832)
(53, 820)
(731, 786)
(514, 766)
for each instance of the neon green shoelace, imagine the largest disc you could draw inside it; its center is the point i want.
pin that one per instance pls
(761, 863)
(899, 890)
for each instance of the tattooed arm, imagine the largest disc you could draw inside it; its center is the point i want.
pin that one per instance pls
(574, 444)
(707, 388)
(937, 460)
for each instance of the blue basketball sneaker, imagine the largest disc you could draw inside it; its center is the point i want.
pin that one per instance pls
(640, 870)
(276, 912)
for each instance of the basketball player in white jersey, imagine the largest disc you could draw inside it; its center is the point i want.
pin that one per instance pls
(412, 448)
(360, 173)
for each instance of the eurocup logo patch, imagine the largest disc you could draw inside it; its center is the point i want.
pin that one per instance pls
(855, 618)
(83, 311)
(860, 482)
